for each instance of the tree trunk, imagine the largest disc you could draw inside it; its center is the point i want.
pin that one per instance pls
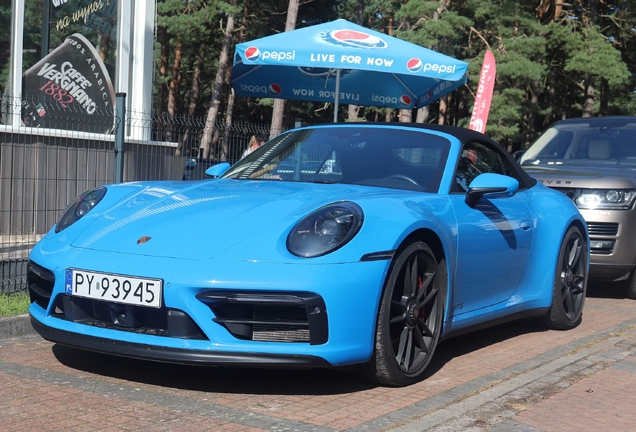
(588, 98)
(532, 117)
(443, 102)
(213, 111)
(196, 79)
(175, 81)
(195, 91)
(443, 5)
(443, 110)
(604, 111)
(353, 110)
(352, 113)
(225, 147)
(228, 126)
(279, 104)
(422, 115)
(229, 109)
(173, 91)
(406, 115)
(162, 36)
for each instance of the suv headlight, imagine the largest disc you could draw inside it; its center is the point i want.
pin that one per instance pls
(605, 199)
(325, 230)
(78, 208)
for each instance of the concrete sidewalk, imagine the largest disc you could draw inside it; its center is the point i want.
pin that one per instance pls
(514, 377)
(14, 326)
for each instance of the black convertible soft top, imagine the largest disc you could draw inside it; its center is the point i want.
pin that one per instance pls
(465, 135)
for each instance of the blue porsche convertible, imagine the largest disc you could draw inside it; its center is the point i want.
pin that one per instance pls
(331, 245)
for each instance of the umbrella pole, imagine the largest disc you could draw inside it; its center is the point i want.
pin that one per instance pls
(337, 97)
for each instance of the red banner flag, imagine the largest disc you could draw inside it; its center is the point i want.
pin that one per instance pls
(481, 108)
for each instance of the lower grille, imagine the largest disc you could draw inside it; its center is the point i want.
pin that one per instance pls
(266, 329)
(270, 317)
(158, 322)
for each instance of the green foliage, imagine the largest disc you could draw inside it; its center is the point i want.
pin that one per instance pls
(593, 54)
(14, 304)
(544, 57)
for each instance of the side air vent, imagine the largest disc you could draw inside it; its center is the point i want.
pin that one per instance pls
(40, 282)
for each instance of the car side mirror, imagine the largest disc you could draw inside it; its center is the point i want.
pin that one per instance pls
(217, 170)
(517, 155)
(490, 185)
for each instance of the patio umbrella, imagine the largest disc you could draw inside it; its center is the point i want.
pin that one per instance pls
(342, 62)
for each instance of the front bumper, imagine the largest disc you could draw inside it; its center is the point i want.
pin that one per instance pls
(203, 317)
(174, 355)
(612, 251)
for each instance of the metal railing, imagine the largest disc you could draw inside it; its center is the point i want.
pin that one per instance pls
(55, 154)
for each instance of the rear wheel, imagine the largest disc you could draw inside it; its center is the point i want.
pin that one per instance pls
(631, 286)
(570, 282)
(410, 317)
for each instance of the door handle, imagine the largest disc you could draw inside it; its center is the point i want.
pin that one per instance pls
(525, 225)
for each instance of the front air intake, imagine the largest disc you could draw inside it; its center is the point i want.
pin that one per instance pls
(40, 282)
(270, 317)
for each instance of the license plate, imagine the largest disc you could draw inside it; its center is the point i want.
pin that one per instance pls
(114, 288)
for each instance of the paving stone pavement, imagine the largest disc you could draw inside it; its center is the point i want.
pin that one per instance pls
(513, 377)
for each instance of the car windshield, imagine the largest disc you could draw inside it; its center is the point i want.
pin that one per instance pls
(609, 142)
(385, 157)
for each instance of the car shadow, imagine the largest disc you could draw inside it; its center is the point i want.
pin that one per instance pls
(467, 343)
(272, 381)
(609, 290)
(214, 379)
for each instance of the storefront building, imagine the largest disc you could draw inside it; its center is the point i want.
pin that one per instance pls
(72, 57)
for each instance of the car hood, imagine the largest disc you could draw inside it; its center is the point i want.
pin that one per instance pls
(584, 176)
(202, 219)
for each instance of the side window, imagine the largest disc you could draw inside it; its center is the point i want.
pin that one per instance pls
(478, 158)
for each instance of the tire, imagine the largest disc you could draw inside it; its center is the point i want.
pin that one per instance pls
(409, 320)
(630, 292)
(570, 282)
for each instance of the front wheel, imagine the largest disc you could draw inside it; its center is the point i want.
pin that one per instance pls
(410, 317)
(570, 282)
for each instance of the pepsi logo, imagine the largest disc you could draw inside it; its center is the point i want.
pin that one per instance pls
(414, 65)
(354, 38)
(405, 100)
(252, 53)
(275, 89)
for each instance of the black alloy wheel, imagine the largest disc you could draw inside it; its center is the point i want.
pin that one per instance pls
(410, 317)
(570, 284)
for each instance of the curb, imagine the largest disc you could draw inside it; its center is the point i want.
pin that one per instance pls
(15, 326)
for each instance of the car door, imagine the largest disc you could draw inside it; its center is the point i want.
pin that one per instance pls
(494, 237)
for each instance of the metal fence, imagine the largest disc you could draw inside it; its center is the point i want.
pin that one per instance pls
(52, 155)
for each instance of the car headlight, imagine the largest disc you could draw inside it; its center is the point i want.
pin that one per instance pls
(78, 208)
(325, 230)
(605, 199)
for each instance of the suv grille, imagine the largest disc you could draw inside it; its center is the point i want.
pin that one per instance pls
(602, 228)
(571, 193)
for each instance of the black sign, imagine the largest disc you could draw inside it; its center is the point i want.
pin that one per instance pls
(70, 88)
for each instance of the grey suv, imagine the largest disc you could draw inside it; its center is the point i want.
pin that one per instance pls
(593, 161)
